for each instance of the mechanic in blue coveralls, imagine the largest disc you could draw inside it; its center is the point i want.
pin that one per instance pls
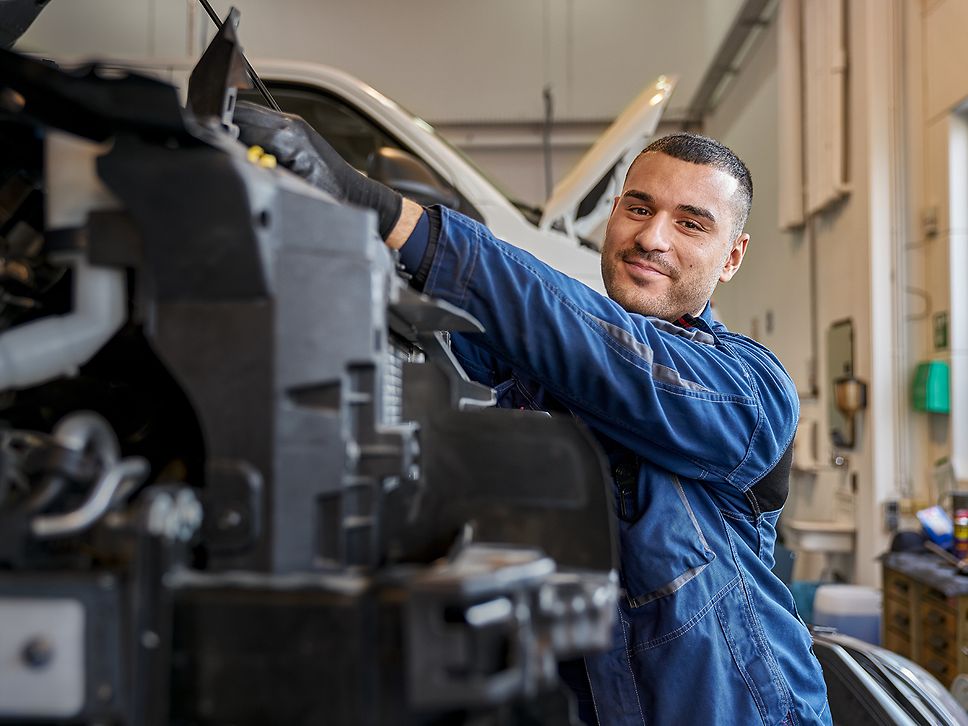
(697, 422)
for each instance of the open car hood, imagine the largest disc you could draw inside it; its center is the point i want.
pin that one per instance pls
(582, 200)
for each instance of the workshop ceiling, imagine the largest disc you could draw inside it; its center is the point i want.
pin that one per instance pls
(449, 61)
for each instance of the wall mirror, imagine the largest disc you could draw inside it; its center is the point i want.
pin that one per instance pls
(840, 365)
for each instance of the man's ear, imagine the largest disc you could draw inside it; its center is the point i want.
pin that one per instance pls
(735, 258)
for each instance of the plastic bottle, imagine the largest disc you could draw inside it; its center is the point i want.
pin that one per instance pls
(961, 533)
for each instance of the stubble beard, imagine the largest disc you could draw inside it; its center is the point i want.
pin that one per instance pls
(677, 299)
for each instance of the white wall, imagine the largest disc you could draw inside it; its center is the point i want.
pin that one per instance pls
(856, 243)
(944, 267)
(774, 281)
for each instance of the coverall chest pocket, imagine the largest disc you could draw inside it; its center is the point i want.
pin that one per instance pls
(663, 548)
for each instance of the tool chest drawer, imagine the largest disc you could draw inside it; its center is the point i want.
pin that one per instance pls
(897, 615)
(926, 618)
(897, 585)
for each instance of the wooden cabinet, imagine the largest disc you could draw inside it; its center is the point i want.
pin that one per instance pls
(922, 622)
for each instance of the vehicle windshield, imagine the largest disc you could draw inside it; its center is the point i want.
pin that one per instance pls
(354, 134)
(531, 212)
(520, 204)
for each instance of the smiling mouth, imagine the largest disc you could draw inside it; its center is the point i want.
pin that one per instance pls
(644, 269)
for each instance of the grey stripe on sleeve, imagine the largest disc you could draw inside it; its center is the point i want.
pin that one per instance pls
(694, 334)
(662, 373)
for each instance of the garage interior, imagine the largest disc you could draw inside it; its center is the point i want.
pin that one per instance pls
(852, 117)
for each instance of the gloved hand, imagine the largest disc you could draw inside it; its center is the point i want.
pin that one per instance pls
(298, 147)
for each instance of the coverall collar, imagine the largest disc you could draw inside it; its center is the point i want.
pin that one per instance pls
(706, 316)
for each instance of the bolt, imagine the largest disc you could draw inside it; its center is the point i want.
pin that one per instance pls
(37, 652)
(229, 519)
(150, 639)
(104, 692)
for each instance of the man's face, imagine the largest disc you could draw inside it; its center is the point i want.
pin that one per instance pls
(669, 239)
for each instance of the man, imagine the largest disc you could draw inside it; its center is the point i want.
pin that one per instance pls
(697, 422)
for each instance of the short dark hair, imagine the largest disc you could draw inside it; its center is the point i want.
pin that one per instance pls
(699, 149)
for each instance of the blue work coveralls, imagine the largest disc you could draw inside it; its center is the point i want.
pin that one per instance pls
(692, 418)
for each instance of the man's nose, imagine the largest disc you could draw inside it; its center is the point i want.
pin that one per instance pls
(654, 234)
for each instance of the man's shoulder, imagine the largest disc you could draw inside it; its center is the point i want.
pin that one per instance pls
(743, 343)
(762, 363)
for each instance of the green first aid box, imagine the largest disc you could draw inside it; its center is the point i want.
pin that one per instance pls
(930, 389)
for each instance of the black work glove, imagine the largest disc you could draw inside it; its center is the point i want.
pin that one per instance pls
(298, 147)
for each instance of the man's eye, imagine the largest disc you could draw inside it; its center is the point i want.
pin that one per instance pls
(639, 210)
(689, 224)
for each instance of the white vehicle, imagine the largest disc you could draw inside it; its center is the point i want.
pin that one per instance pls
(371, 131)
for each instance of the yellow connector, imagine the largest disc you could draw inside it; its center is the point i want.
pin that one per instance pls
(255, 153)
(268, 161)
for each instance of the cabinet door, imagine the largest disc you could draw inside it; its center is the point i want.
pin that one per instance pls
(898, 585)
(897, 616)
(938, 633)
(961, 630)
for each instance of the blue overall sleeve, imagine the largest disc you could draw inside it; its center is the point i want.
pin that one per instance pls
(707, 406)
